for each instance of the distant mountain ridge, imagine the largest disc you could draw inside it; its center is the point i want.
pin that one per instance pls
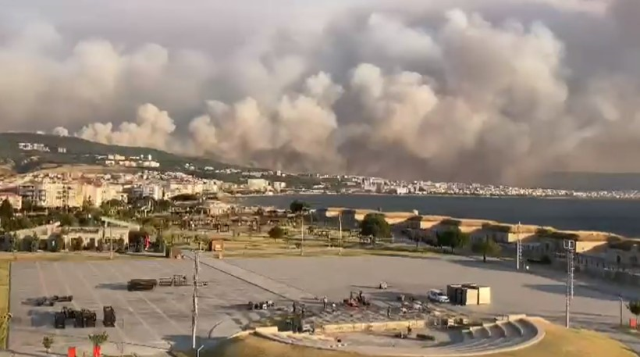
(81, 151)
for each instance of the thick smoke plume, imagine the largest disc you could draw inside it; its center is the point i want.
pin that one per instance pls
(493, 91)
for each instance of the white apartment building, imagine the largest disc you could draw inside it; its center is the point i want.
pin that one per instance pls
(211, 186)
(279, 186)
(68, 194)
(257, 184)
(147, 190)
(180, 188)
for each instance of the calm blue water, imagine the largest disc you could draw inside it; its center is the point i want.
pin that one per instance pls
(617, 216)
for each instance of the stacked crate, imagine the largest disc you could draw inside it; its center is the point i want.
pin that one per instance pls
(469, 294)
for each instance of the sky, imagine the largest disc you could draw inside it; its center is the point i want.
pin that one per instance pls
(498, 91)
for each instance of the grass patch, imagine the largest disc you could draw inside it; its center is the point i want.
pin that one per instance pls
(67, 256)
(4, 298)
(558, 342)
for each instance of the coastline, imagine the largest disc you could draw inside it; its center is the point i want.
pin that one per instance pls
(413, 195)
(593, 215)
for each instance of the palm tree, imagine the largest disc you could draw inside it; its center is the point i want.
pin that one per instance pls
(634, 308)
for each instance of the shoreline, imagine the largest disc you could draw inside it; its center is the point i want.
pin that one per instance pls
(342, 202)
(413, 195)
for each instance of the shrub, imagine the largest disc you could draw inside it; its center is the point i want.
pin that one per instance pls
(16, 244)
(57, 244)
(159, 245)
(276, 232)
(77, 244)
(47, 343)
(120, 245)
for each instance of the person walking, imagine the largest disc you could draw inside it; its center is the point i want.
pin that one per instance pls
(388, 312)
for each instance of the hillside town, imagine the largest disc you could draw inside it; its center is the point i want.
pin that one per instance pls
(74, 189)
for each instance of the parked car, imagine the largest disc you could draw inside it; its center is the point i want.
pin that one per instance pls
(437, 296)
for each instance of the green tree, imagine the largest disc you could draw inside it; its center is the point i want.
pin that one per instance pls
(298, 206)
(453, 239)
(6, 209)
(47, 343)
(375, 225)
(16, 243)
(35, 243)
(163, 206)
(486, 247)
(68, 220)
(276, 233)
(98, 339)
(634, 308)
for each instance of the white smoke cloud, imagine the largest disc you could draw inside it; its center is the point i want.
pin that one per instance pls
(153, 129)
(471, 90)
(60, 131)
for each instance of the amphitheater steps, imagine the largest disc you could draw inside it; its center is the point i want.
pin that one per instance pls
(476, 341)
(487, 339)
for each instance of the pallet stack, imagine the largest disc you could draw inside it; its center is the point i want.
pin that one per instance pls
(469, 294)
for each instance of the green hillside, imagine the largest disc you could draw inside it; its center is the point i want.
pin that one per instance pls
(80, 151)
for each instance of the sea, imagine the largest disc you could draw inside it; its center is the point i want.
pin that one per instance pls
(616, 216)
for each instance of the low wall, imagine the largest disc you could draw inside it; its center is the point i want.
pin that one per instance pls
(286, 338)
(597, 272)
(372, 326)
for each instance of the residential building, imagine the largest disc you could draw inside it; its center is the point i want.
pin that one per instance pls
(279, 186)
(257, 184)
(147, 190)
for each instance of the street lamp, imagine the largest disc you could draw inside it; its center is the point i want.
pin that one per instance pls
(621, 310)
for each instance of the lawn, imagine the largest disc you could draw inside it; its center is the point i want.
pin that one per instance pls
(4, 298)
(67, 256)
(558, 342)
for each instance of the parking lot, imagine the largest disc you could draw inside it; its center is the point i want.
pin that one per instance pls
(149, 321)
(512, 291)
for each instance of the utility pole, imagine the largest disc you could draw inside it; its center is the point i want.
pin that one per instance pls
(569, 246)
(621, 310)
(340, 227)
(302, 233)
(518, 247)
(194, 316)
(111, 240)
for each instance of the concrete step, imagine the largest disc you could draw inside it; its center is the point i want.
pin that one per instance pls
(511, 330)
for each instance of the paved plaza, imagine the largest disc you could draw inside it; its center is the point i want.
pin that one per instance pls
(149, 321)
(152, 321)
(512, 292)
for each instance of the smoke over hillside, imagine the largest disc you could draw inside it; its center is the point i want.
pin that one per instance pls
(497, 90)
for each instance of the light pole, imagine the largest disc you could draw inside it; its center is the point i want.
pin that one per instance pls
(302, 232)
(621, 310)
(569, 246)
(340, 232)
(194, 316)
(518, 247)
